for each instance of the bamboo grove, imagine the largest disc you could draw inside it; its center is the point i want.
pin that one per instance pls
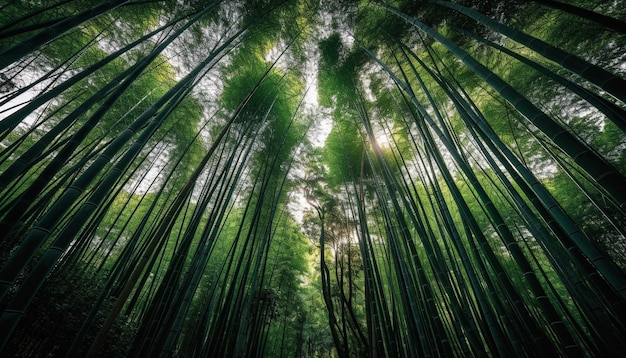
(269, 178)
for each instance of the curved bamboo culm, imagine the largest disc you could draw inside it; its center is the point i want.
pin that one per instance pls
(573, 235)
(21, 257)
(614, 113)
(600, 19)
(58, 70)
(25, 47)
(496, 331)
(111, 92)
(602, 78)
(505, 234)
(30, 15)
(600, 311)
(10, 122)
(404, 87)
(603, 172)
